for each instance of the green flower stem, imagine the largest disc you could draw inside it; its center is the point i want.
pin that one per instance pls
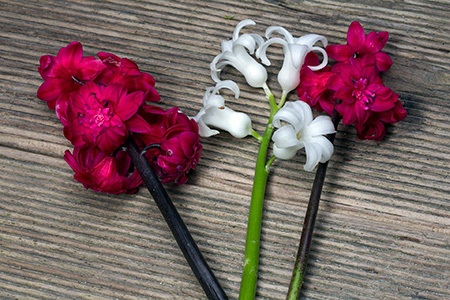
(251, 258)
(190, 250)
(270, 162)
(256, 135)
(299, 271)
(282, 101)
(252, 245)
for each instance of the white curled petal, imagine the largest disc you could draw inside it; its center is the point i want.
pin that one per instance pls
(206, 96)
(305, 110)
(285, 137)
(297, 54)
(327, 149)
(324, 59)
(318, 149)
(203, 129)
(241, 25)
(226, 45)
(261, 53)
(214, 113)
(311, 39)
(215, 70)
(247, 41)
(313, 156)
(287, 114)
(321, 125)
(287, 35)
(263, 49)
(294, 56)
(214, 100)
(284, 153)
(211, 98)
(296, 113)
(227, 84)
(295, 50)
(237, 124)
(258, 39)
(225, 60)
(302, 132)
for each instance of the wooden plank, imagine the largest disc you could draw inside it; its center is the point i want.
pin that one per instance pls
(384, 221)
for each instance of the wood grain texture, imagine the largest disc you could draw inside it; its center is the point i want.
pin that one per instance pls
(384, 222)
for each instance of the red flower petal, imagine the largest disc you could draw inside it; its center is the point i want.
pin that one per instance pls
(71, 55)
(138, 124)
(372, 130)
(103, 173)
(89, 69)
(109, 58)
(46, 68)
(383, 61)
(376, 41)
(187, 140)
(128, 105)
(110, 139)
(356, 37)
(48, 91)
(339, 52)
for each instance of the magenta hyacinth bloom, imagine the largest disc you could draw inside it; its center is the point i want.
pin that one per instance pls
(359, 44)
(353, 85)
(126, 72)
(103, 116)
(101, 172)
(177, 143)
(65, 73)
(360, 91)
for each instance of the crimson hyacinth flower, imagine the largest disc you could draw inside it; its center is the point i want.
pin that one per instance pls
(360, 91)
(359, 44)
(127, 73)
(101, 172)
(103, 116)
(375, 127)
(65, 73)
(176, 141)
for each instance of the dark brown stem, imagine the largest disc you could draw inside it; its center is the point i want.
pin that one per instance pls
(179, 230)
(301, 260)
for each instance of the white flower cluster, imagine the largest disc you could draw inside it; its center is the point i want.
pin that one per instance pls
(302, 131)
(242, 52)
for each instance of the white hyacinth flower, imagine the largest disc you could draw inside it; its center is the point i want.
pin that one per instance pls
(236, 53)
(214, 113)
(295, 50)
(297, 130)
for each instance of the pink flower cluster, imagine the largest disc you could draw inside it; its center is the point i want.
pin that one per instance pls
(353, 85)
(101, 102)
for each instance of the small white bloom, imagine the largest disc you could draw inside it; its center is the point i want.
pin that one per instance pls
(295, 50)
(215, 114)
(234, 53)
(301, 131)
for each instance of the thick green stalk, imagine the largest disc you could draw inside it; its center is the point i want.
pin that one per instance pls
(251, 258)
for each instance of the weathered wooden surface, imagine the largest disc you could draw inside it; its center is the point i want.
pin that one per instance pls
(383, 227)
